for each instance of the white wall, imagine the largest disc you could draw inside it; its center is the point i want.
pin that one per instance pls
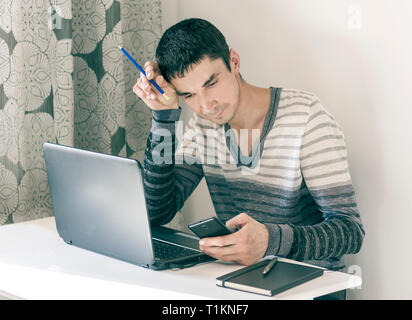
(360, 66)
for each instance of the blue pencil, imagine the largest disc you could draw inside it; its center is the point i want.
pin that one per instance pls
(142, 71)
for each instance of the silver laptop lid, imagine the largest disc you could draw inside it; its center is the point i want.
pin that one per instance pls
(99, 203)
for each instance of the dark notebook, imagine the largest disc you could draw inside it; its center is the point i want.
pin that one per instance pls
(283, 276)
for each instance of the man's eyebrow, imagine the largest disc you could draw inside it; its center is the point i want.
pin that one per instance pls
(211, 78)
(182, 93)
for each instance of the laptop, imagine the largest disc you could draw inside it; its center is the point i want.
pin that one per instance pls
(99, 205)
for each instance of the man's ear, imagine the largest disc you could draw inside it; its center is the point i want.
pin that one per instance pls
(234, 61)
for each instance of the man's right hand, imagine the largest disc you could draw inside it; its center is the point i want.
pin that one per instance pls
(148, 92)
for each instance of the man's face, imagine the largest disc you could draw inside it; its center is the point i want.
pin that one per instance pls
(210, 89)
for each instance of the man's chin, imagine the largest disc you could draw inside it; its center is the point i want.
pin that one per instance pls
(219, 120)
(214, 120)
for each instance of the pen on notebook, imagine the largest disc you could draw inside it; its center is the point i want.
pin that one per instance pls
(142, 71)
(269, 266)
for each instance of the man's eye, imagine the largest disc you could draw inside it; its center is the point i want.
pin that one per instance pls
(212, 84)
(187, 96)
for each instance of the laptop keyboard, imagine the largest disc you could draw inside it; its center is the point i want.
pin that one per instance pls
(163, 250)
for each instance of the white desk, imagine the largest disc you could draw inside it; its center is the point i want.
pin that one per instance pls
(35, 263)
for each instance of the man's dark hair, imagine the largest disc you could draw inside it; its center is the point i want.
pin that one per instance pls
(187, 43)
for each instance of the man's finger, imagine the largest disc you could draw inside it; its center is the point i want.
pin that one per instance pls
(138, 91)
(220, 241)
(146, 86)
(150, 63)
(160, 81)
(227, 253)
(238, 221)
(151, 68)
(149, 72)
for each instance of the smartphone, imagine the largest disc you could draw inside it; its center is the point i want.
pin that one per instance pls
(210, 227)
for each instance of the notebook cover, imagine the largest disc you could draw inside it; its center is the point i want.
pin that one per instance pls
(283, 276)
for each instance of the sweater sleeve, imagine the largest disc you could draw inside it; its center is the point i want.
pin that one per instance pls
(325, 172)
(168, 182)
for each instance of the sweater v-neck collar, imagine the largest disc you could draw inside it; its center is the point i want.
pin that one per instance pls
(251, 160)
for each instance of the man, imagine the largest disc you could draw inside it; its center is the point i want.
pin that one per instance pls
(287, 190)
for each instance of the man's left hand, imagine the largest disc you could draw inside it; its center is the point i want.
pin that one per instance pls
(245, 246)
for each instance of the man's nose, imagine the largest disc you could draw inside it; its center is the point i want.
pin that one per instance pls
(208, 104)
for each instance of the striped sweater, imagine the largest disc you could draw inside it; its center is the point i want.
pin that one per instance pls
(296, 180)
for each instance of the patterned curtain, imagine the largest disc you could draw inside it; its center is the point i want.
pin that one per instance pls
(64, 80)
